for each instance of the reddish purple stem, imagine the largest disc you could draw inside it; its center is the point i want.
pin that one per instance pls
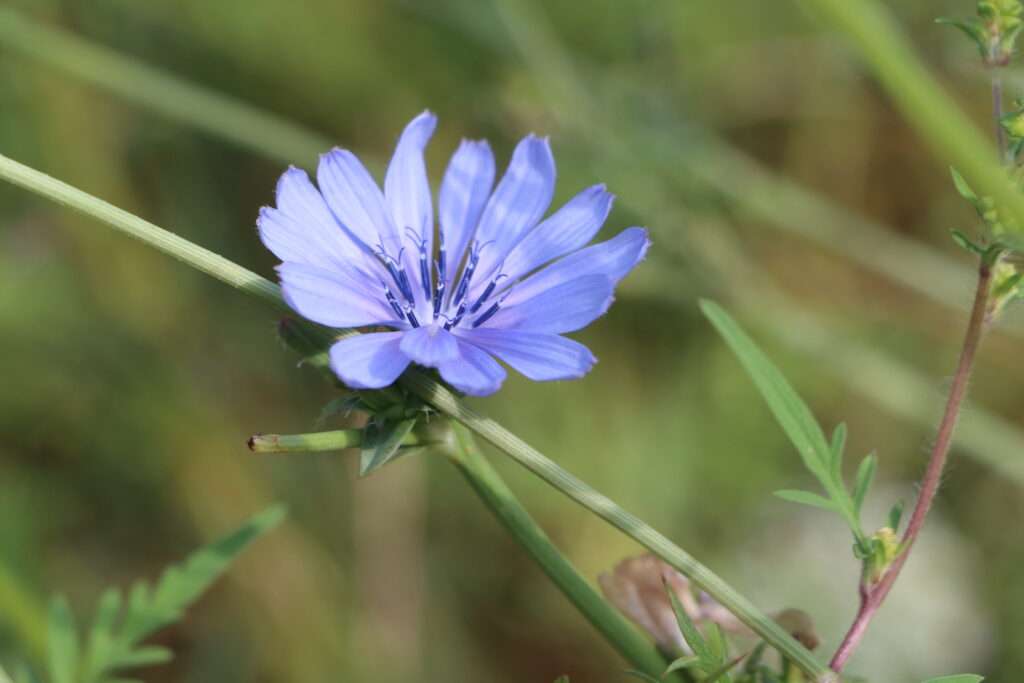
(872, 596)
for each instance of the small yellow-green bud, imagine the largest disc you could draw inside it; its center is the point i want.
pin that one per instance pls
(1013, 124)
(885, 548)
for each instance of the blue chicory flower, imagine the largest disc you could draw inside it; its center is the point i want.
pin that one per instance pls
(502, 283)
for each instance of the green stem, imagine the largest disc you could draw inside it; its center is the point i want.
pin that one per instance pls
(500, 500)
(314, 442)
(462, 451)
(533, 460)
(436, 395)
(951, 134)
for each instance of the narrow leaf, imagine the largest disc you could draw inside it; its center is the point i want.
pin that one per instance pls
(837, 446)
(959, 678)
(63, 645)
(895, 515)
(690, 632)
(790, 411)
(806, 498)
(865, 475)
(682, 663)
(381, 444)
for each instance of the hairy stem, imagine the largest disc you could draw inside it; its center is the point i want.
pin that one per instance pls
(438, 396)
(872, 596)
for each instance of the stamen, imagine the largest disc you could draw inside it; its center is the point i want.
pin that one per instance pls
(487, 293)
(393, 301)
(411, 316)
(487, 315)
(457, 318)
(397, 272)
(467, 275)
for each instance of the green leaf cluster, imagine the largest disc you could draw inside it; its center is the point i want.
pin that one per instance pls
(994, 30)
(114, 642)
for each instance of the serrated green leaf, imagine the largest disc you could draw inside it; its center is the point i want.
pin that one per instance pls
(865, 475)
(101, 640)
(895, 515)
(63, 642)
(805, 498)
(789, 409)
(959, 678)
(691, 634)
(381, 443)
(112, 648)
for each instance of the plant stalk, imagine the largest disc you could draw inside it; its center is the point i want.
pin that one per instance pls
(872, 596)
(438, 396)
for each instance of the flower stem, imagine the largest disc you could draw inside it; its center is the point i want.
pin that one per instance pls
(500, 500)
(315, 442)
(872, 596)
(439, 397)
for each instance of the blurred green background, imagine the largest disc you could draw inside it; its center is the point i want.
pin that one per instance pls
(774, 176)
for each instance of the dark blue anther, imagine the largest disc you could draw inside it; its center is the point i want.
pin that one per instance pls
(403, 284)
(467, 275)
(394, 302)
(412, 317)
(487, 315)
(487, 293)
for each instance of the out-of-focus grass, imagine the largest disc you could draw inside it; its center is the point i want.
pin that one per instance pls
(131, 383)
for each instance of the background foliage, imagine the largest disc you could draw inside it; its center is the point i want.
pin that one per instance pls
(775, 177)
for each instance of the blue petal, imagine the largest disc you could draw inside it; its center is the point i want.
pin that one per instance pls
(464, 191)
(406, 188)
(302, 229)
(568, 229)
(430, 346)
(541, 357)
(518, 203)
(564, 308)
(355, 199)
(369, 361)
(338, 297)
(612, 259)
(474, 372)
